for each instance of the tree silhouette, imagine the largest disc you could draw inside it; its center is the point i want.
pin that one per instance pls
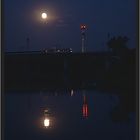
(118, 45)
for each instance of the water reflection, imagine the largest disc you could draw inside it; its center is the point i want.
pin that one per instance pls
(62, 116)
(46, 122)
(46, 118)
(85, 106)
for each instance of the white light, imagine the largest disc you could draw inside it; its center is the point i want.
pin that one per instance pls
(72, 92)
(44, 15)
(46, 122)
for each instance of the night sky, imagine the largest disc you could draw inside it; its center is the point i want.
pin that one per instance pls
(22, 19)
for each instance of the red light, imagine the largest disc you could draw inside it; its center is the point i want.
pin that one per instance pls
(85, 110)
(85, 107)
(83, 26)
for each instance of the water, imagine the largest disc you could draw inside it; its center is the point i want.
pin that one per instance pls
(73, 115)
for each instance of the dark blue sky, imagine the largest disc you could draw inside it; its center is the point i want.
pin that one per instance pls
(22, 20)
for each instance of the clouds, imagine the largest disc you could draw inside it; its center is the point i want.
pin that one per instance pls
(65, 20)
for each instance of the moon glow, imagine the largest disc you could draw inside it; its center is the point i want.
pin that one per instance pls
(44, 15)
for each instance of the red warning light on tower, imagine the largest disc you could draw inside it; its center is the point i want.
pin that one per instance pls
(83, 27)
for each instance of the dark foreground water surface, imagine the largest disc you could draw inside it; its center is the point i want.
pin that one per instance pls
(72, 115)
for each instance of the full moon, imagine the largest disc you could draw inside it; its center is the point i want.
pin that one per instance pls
(44, 15)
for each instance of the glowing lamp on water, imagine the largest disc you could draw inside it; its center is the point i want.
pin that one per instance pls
(46, 122)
